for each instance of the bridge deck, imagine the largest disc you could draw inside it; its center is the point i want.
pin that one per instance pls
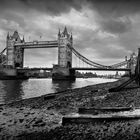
(74, 68)
(102, 69)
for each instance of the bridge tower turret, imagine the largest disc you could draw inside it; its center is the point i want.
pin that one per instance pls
(14, 54)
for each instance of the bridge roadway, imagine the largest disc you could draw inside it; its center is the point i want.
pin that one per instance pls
(74, 68)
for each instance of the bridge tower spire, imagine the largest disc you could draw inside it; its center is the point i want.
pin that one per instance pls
(65, 32)
(59, 34)
(8, 36)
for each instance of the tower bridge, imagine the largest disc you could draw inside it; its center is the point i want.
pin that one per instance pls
(14, 57)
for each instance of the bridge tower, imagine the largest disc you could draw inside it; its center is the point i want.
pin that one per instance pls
(14, 54)
(64, 52)
(62, 70)
(131, 64)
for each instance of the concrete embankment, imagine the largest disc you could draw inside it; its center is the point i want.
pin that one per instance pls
(40, 117)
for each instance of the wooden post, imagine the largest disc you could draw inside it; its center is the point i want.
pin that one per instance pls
(137, 70)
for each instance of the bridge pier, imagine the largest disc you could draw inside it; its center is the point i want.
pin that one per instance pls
(63, 73)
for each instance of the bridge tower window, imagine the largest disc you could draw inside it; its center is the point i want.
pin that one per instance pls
(68, 64)
(17, 65)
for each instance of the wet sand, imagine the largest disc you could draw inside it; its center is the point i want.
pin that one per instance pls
(40, 117)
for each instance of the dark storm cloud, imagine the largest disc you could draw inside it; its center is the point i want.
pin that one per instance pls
(53, 7)
(116, 25)
(114, 15)
(117, 8)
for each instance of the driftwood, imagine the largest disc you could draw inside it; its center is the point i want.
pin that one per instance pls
(78, 119)
(95, 111)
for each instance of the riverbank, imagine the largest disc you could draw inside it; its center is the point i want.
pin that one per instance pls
(40, 117)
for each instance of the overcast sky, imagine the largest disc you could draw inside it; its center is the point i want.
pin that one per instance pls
(104, 31)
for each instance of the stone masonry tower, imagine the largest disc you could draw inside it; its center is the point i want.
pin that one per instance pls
(63, 70)
(14, 54)
(131, 64)
(64, 52)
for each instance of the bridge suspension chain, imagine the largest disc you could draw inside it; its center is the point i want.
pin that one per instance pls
(3, 51)
(87, 61)
(96, 65)
(119, 64)
(3, 60)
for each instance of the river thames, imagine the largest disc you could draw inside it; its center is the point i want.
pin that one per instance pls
(12, 90)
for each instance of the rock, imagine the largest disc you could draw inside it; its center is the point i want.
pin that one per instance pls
(26, 115)
(21, 120)
(50, 107)
(42, 124)
(27, 126)
(51, 113)
(1, 108)
(38, 121)
(1, 129)
(32, 113)
(34, 106)
(6, 114)
(32, 120)
(47, 97)
(95, 90)
(15, 121)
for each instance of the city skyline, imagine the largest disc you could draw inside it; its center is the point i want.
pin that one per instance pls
(103, 31)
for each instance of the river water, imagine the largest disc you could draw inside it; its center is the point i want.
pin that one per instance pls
(11, 90)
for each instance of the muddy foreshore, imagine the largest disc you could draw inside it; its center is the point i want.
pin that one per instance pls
(40, 117)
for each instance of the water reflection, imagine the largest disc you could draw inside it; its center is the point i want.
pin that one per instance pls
(12, 90)
(62, 85)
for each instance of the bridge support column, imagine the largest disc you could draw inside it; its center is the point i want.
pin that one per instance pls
(62, 73)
